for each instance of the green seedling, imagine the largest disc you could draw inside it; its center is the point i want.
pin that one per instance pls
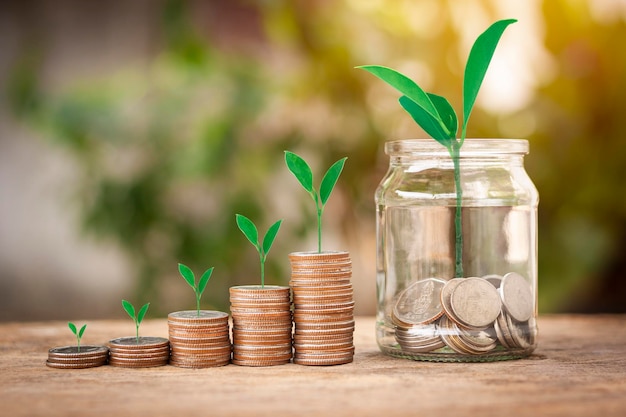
(302, 171)
(436, 116)
(190, 278)
(130, 309)
(251, 232)
(77, 333)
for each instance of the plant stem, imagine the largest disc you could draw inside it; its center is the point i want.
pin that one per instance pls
(319, 230)
(137, 331)
(78, 342)
(262, 258)
(198, 304)
(458, 225)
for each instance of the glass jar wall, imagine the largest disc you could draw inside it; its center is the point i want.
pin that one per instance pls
(457, 274)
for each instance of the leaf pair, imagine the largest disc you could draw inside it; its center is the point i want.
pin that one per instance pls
(302, 171)
(190, 278)
(77, 333)
(434, 113)
(130, 310)
(250, 231)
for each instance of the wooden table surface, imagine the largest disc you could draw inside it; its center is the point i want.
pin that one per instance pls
(579, 369)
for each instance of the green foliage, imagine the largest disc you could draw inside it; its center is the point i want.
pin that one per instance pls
(477, 64)
(77, 333)
(208, 123)
(250, 231)
(130, 310)
(302, 171)
(436, 116)
(198, 288)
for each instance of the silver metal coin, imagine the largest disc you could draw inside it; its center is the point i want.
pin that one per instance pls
(475, 303)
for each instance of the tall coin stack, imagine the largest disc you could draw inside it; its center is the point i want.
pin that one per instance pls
(262, 325)
(128, 352)
(199, 341)
(323, 308)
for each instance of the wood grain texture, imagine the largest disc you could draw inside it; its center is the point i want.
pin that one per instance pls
(579, 369)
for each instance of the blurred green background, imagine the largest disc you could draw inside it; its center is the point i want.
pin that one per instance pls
(132, 132)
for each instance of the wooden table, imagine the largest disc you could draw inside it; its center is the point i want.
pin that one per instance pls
(579, 369)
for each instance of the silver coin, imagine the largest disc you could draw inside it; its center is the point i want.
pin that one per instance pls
(87, 351)
(504, 333)
(517, 297)
(475, 303)
(446, 292)
(420, 303)
(144, 342)
(194, 316)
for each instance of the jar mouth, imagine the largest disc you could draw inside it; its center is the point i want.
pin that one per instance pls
(471, 147)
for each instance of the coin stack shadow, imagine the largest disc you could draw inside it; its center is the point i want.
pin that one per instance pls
(262, 325)
(69, 357)
(128, 352)
(323, 308)
(199, 340)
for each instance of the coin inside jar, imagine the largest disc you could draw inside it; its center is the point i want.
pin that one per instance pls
(517, 297)
(475, 303)
(419, 303)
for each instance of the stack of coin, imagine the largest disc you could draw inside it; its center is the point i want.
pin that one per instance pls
(128, 352)
(415, 315)
(70, 357)
(323, 308)
(262, 325)
(515, 326)
(469, 315)
(199, 340)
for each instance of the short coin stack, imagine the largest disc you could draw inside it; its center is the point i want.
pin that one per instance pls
(323, 308)
(199, 340)
(262, 325)
(69, 357)
(128, 352)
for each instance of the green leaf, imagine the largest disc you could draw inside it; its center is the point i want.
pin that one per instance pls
(330, 179)
(448, 116)
(142, 312)
(72, 327)
(300, 169)
(204, 280)
(128, 307)
(426, 121)
(406, 86)
(268, 240)
(477, 63)
(82, 330)
(248, 229)
(188, 275)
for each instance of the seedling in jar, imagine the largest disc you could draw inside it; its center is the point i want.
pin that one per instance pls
(77, 333)
(138, 318)
(251, 232)
(198, 288)
(436, 116)
(302, 171)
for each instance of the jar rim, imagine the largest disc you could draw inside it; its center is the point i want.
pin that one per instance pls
(471, 147)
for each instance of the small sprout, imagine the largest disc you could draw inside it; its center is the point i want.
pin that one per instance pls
(302, 171)
(130, 309)
(190, 278)
(250, 231)
(77, 333)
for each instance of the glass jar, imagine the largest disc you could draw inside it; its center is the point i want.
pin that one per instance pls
(457, 273)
